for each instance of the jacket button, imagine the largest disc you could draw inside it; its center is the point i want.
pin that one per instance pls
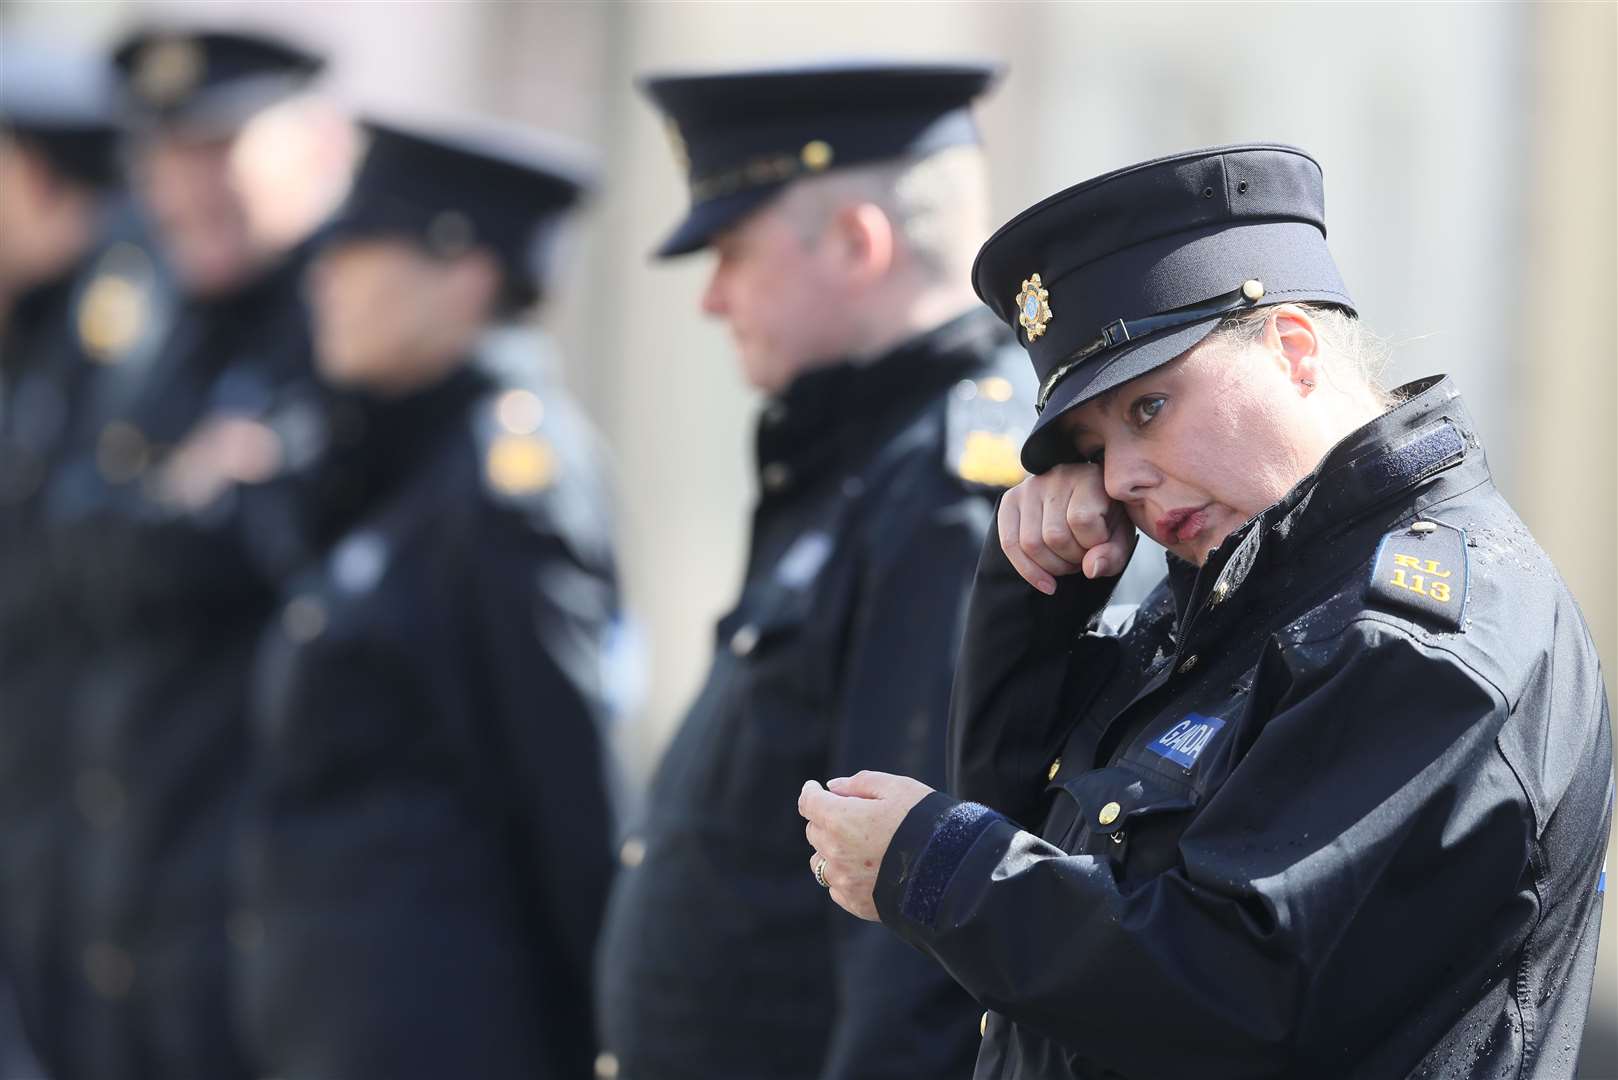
(1109, 813)
(983, 1026)
(109, 970)
(745, 640)
(776, 476)
(1190, 662)
(1056, 767)
(633, 852)
(303, 619)
(100, 797)
(606, 1066)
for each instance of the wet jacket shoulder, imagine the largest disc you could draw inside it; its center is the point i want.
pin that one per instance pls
(1333, 805)
(431, 821)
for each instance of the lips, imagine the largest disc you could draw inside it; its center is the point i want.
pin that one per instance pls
(1179, 526)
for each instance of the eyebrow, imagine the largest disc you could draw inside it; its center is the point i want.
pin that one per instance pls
(1106, 399)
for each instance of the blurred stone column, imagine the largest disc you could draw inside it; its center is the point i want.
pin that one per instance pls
(1567, 361)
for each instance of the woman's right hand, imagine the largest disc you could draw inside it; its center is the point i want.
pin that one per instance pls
(1062, 522)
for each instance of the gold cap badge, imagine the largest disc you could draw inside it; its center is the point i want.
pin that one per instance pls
(816, 155)
(168, 69)
(1033, 307)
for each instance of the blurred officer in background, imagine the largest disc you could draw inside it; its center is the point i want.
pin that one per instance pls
(429, 845)
(59, 169)
(59, 175)
(215, 325)
(1334, 802)
(842, 206)
(143, 723)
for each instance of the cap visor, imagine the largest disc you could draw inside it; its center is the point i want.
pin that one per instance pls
(1048, 444)
(707, 219)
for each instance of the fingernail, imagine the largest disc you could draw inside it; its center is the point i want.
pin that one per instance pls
(1048, 587)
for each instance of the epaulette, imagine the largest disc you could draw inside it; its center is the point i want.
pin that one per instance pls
(120, 309)
(1421, 569)
(988, 419)
(519, 462)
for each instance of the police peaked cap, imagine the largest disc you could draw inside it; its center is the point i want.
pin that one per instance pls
(62, 104)
(477, 185)
(1121, 274)
(742, 136)
(211, 81)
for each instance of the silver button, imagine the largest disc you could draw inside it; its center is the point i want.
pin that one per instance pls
(1190, 662)
(776, 476)
(304, 619)
(100, 797)
(633, 852)
(775, 413)
(745, 640)
(109, 970)
(606, 1066)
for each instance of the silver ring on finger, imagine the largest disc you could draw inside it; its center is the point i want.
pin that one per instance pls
(820, 874)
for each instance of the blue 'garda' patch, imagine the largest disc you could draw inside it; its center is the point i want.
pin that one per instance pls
(1184, 742)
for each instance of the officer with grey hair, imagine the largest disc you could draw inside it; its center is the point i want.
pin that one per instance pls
(841, 206)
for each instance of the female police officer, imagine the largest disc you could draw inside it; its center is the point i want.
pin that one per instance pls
(1333, 801)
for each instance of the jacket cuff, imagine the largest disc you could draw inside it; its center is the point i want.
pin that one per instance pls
(923, 856)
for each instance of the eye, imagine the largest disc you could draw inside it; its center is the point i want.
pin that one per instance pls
(1145, 409)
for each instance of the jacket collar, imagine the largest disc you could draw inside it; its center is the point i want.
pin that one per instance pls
(1427, 434)
(831, 415)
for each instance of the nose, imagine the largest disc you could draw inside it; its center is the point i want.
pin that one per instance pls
(1127, 475)
(713, 296)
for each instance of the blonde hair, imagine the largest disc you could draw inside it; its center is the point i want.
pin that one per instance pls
(1352, 356)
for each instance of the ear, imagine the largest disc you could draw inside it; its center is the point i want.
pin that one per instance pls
(868, 240)
(1290, 337)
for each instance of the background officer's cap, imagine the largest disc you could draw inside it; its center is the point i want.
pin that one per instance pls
(207, 81)
(479, 185)
(1137, 266)
(742, 136)
(61, 104)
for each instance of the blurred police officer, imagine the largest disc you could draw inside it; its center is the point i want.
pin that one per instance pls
(205, 317)
(59, 174)
(429, 844)
(128, 913)
(58, 167)
(842, 205)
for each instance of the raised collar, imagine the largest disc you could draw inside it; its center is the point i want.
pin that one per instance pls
(833, 414)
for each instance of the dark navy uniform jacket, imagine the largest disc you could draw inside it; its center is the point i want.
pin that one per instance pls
(125, 714)
(428, 844)
(1335, 805)
(721, 957)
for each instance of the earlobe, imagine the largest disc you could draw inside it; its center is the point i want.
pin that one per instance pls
(1292, 339)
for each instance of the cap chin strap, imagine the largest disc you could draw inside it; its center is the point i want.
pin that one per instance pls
(1119, 331)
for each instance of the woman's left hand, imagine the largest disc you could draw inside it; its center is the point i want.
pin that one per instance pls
(851, 822)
